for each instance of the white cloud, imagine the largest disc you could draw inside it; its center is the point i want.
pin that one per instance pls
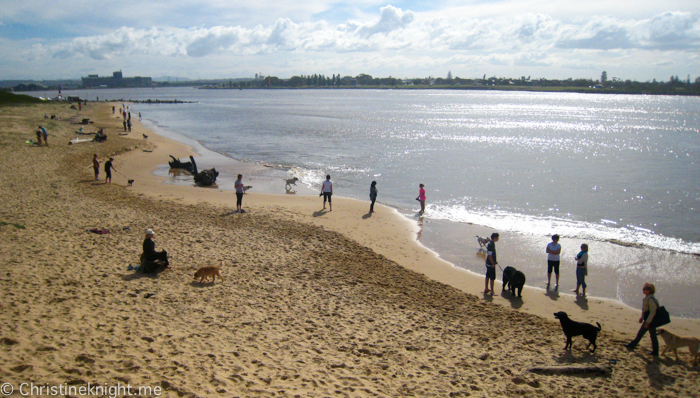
(400, 38)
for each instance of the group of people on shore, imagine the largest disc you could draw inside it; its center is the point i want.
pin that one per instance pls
(109, 166)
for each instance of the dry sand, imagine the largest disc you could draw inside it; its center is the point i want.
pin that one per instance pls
(313, 303)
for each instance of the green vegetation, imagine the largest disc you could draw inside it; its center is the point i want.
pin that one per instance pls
(674, 86)
(18, 226)
(7, 98)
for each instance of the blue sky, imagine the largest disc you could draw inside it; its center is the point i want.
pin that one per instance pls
(639, 40)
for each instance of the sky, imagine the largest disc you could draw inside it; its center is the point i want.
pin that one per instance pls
(202, 39)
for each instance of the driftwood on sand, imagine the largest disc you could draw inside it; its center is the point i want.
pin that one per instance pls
(206, 177)
(558, 370)
(190, 166)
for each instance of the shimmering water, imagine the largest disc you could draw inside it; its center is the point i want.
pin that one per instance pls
(590, 167)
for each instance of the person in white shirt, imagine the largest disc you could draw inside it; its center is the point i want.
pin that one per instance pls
(553, 252)
(327, 192)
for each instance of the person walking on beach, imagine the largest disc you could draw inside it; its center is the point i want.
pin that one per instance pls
(108, 170)
(96, 166)
(553, 252)
(239, 194)
(649, 306)
(327, 192)
(421, 198)
(149, 250)
(581, 269)
(45, 135)
(373, 195)
(491, 263)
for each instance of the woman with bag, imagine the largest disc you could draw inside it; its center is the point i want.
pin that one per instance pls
(650, 307)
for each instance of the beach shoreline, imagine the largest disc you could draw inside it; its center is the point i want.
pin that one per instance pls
(394, 236)
(312, 303)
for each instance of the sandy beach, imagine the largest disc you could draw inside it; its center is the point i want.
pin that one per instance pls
(313, 304)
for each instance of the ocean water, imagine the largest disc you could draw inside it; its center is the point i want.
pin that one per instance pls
(597, 168)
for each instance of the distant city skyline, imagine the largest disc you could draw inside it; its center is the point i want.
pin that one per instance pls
(209, 39)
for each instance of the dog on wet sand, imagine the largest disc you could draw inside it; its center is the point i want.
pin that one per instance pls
(483, 241)
(573, 328)
(674, 342)
(512, 280)
(290, 181)
(130, 183)
(206, 272)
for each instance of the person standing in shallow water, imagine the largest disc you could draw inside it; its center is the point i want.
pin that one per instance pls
(581, 269)
(373, 195)
(491, 263)
(327, 192)
(421, 198)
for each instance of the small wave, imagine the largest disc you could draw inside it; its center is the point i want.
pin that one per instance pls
(606, 230)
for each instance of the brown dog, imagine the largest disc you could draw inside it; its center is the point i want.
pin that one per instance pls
(206, 272)
(674, 342)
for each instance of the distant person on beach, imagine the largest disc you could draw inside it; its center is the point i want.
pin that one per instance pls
(239, 193)
(108, 170)
(96, 166)
(149, 250)
(128, 124)
(124, 123)
(581, 269)
(112, 110)
(649, 306)
(421, 198)
(491, 263)
(38, 137)
(139, 115)
(553, 252)
(373, 195)
(327, 192)
(45, 135)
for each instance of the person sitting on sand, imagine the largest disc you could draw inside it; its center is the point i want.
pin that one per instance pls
(149, 250)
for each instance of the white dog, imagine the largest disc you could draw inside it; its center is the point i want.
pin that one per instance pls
(482, 241)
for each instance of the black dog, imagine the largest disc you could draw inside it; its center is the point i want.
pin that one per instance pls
(514, 279)
(572, 328)
(130, 183)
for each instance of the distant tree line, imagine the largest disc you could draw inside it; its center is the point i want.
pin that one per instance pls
(674, 86)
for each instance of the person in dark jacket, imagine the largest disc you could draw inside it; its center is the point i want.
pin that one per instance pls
(149, 250)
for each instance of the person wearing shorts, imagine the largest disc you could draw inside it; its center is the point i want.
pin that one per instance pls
(553, 258)
(108, 170)
(239, 194)
(327, 192)
(96, 166)
(491, 263)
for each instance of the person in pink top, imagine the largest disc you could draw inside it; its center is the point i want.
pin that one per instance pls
(421, 198)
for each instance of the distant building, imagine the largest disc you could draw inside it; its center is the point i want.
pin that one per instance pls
(116, 81)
